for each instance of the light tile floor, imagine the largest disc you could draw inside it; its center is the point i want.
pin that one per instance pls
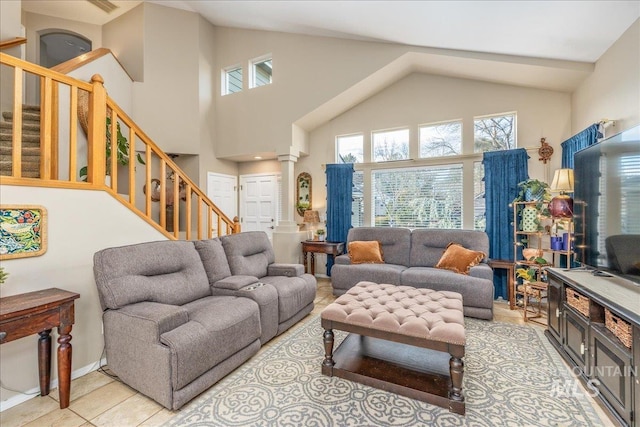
(99, 400)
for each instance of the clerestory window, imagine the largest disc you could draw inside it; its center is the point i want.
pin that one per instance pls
(231, 80)
(261, 72)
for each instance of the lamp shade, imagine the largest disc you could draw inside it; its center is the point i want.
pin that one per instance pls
(561, 206)
(562, 181)
(311, 217)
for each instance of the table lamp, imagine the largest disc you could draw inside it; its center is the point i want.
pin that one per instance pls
(310, 218)
(561, 206)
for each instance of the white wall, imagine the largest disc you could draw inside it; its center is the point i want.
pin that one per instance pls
(207, 68)
(166, 103)
(125, 37)
(613, 90)
(307, 72)
(79, 223)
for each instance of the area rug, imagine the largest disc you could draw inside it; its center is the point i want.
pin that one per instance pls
(513, 377)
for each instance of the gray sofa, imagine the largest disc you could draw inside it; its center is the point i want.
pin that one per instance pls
(410, 257)
(180, 315)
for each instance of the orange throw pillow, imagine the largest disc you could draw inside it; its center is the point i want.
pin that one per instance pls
(457, 258)
(365, 252)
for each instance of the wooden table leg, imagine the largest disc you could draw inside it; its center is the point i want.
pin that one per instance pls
(64, 364)
(44, 361)
(328, 363)
(313, 264)
(456, 370)
(304, 256)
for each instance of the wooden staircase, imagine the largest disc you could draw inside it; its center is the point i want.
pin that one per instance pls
(39, 153)
(30, 142)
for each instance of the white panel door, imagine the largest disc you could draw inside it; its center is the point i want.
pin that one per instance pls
(258, 202)
(223, 191)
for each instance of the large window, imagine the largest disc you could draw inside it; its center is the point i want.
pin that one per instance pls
(350, 149)
(428, 191)
(418, 197)
(442, 139)
(496, 132)
(390, 145)
(231, 80)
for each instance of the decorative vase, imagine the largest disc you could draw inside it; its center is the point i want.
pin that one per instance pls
(529, 219)
(556, 243)
(561, 206)
(531, 196)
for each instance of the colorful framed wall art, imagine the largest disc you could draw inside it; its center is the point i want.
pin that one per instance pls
(23, 231)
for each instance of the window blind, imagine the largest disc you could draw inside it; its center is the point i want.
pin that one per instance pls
(419, 197)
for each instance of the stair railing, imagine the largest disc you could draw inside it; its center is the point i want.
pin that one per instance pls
(8, 44)
(142, 176)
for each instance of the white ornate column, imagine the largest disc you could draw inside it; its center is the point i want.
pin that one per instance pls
(286, 236)
(287, 164)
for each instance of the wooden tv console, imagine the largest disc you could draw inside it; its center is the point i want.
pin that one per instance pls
(609, 367)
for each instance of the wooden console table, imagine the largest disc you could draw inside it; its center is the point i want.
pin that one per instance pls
(315, 246)
(37, 313)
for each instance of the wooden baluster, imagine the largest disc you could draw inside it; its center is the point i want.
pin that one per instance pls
(187, 212)
(97, 120)
(54, 133)
(163, 194)
(16, 167)
(113, 160)
(199, 207)
(73, 133)
(147, 159)
(132, 167)
(176, 205)
(46, 128)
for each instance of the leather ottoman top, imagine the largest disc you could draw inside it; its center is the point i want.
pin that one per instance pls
(403, 310)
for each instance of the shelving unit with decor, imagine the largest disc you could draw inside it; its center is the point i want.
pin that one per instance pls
(534, 252)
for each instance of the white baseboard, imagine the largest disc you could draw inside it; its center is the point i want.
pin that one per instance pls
(35, 392)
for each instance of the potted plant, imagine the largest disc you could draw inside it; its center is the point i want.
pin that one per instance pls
(122, 151)
(526, 274)
(533, 190)
(320, 234)
(537, 192)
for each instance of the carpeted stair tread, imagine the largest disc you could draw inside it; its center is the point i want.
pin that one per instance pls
(30, 144)
(27, 116)
(26, 152)
(30, 127)
(30, 140)
(29, 169)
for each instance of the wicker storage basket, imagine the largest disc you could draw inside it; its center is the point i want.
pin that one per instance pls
(578, 301)
(619, 328)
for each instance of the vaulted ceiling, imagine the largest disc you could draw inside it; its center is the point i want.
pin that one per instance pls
(566, 30)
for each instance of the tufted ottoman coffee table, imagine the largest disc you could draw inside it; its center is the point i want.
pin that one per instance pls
(404, 340)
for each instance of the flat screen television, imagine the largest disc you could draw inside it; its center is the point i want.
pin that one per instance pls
(607, 205)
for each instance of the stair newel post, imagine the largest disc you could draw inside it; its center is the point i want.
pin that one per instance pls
(97, 135)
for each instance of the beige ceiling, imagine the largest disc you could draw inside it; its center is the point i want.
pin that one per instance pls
(542, 44)
(78, 10)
